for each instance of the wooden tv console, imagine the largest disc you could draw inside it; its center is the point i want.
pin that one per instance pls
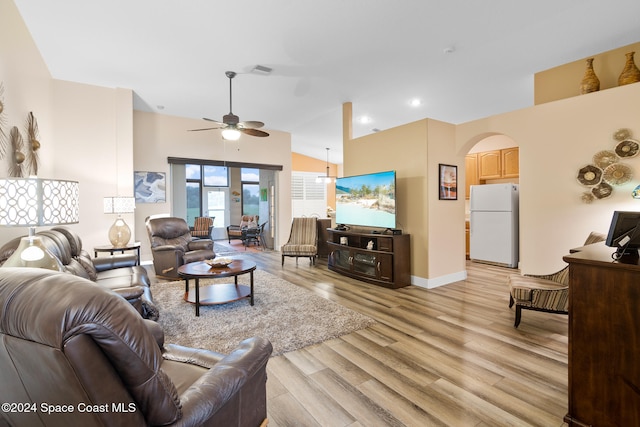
(387, 263)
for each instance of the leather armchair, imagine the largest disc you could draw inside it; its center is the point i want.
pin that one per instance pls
(80, 355)
(172, 245)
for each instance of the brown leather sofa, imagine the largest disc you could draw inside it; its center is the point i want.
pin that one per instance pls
(172, 245)
(74, 354)
(119, 272)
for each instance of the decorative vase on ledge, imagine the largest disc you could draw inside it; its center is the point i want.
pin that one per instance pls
(590, 82)
(630, 73)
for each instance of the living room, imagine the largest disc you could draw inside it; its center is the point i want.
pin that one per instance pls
(93, 135)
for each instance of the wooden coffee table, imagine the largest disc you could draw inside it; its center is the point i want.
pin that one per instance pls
(219, 293)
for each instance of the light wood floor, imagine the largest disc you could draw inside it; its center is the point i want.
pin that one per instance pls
(448, 356)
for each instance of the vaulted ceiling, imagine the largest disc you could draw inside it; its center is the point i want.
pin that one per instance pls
(462, 59)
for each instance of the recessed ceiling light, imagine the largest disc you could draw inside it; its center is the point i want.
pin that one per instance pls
(160, 107)
(415, 102)
(365, 119)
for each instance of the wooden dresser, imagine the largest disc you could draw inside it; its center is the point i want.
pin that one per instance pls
(604, 339)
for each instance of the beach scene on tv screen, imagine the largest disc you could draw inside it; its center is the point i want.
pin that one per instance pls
(367, 200)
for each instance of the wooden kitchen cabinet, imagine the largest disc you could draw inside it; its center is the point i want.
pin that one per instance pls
(490, 164)
(498, 164)
(510, 158)
(471, 173)
(467, 236)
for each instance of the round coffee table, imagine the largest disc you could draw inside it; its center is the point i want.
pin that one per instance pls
(219, 293)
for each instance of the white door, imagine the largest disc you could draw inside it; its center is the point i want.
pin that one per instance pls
(216, 205)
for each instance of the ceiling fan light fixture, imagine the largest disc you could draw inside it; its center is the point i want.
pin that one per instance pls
(231, 134)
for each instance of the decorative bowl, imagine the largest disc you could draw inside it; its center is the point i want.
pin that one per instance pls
(219, 262)
(627, 148)
(589, 175)
(617, 174)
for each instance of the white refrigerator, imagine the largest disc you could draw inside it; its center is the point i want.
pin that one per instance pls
(493, 224)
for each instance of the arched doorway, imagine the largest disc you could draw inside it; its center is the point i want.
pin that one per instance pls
(490, 159)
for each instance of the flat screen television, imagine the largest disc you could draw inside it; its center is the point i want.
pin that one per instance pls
(367, 200)
(624, 234)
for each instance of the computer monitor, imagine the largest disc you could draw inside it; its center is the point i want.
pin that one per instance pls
(624, 234)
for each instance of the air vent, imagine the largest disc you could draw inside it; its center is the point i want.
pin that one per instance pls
(261, 69)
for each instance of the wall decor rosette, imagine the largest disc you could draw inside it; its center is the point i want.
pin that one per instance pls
(607, 168)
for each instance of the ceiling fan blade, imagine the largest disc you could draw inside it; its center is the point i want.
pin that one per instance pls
(196, 130)
(253, 132)
(211, 120)
(251, 124)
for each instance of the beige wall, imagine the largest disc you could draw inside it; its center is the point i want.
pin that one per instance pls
(556, 139)
(564, 81)
(436, 226)
(158, 136)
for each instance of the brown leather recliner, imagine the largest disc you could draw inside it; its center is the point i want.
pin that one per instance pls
(73, 353)
(172, 245)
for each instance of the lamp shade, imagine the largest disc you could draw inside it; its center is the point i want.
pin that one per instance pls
(31, 202)
(119, 233)
(119, 205)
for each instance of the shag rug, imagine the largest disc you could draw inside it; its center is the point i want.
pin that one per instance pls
(287, 315)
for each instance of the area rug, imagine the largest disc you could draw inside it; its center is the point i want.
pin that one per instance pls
(223, 247)
(287, 315)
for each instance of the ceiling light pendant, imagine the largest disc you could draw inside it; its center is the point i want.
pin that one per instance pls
(327, 179)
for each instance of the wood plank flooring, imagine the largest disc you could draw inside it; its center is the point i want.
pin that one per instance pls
(442, 357)
(448, 356)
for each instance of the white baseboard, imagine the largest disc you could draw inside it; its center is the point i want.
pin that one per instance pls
(438, 281)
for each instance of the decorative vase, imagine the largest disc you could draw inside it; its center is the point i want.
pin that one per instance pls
(590, 82)
(630, 73)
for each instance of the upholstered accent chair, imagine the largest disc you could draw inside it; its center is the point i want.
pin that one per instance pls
(236, 231)
(303, 240)
(202, 227)
(68, 342)
(547, 292)
(172, 245)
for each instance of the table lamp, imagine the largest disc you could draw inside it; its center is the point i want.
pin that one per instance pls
(31, 202)
(119, 233)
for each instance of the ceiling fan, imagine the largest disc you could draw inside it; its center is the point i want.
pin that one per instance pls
(231, 125)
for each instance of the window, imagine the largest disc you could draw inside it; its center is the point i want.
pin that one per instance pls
(194, 201)
(216, 176)
(250, 191)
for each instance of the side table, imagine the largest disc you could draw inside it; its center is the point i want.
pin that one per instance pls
(135, 246)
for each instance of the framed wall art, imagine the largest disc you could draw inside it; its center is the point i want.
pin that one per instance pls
(150, 187)
(447, 182)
